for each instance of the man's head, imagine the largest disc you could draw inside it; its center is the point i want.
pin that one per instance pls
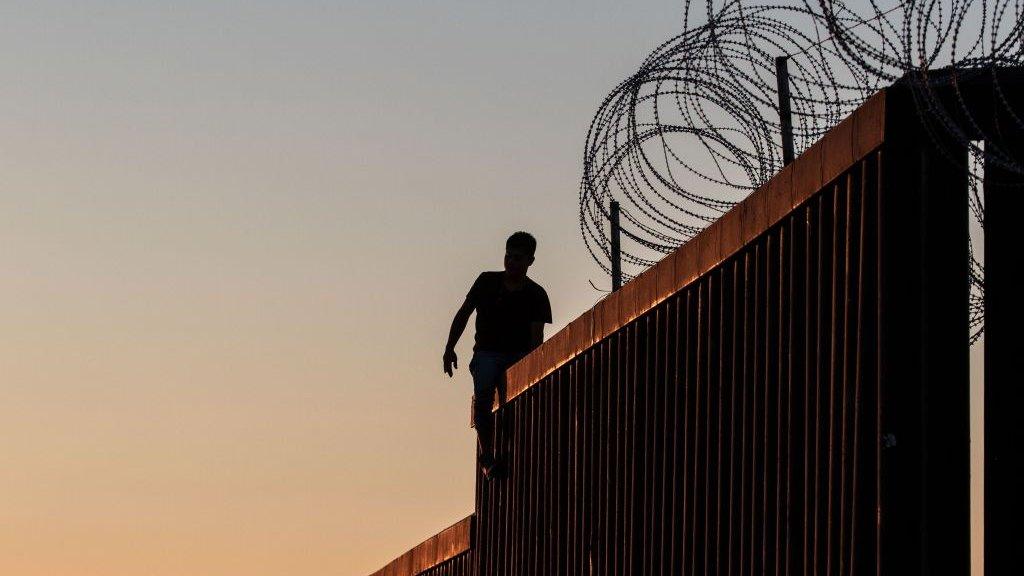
(519, 250)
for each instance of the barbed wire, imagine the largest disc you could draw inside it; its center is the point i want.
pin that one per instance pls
(696, 127)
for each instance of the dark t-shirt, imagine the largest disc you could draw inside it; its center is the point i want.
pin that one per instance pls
(503, 316)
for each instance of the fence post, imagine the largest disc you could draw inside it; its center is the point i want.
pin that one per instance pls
(616, 248)
(785, 111)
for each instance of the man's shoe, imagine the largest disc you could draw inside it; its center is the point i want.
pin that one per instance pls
(496, 469)
(486, 463)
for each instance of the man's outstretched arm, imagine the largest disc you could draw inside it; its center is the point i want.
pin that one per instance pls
(451, 361)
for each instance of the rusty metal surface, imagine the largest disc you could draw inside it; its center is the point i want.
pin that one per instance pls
(445, 553)
(461, 565)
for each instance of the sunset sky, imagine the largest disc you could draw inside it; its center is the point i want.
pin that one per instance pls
(233, 236)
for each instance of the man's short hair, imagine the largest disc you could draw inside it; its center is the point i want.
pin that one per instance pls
(522, 241)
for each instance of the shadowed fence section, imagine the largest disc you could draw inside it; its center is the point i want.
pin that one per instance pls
(787, 393)
(720, 413)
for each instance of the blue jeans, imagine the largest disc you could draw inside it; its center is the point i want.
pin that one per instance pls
(488, 370)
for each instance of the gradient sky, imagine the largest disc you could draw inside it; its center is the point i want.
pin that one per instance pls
(233, 235)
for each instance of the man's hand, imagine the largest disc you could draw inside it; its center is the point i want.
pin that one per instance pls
(451, 361)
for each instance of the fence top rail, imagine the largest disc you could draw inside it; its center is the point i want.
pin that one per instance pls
(851, 140)
(443, 546)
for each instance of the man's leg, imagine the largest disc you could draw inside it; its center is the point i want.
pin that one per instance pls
(500, 425)
(485, 370)
(496, 426)
(484, 422)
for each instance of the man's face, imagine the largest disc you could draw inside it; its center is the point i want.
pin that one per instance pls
(517, 261)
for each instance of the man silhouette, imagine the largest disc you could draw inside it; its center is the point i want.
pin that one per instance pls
(511, 310)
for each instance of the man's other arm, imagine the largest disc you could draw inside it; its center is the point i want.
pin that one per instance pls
(450, 360)
(536, 334)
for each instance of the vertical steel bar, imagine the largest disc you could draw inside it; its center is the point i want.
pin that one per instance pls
(689, 422)
(699, 441)
(733, 325)
(675, 380)
(1004, 312)
(846, 340)
(746, 470)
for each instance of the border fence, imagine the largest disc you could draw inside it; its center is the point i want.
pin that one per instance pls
(788, 393)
